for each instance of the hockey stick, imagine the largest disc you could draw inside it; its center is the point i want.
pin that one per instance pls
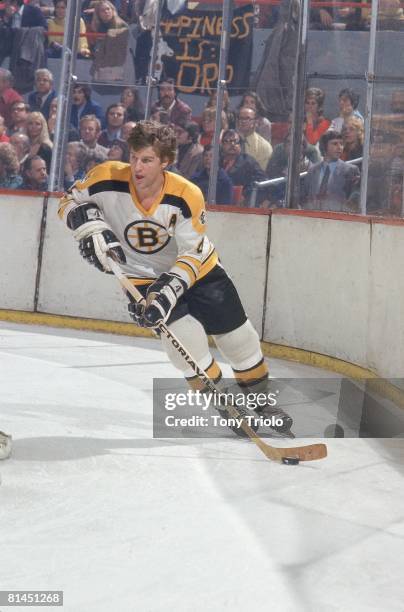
(301, 453)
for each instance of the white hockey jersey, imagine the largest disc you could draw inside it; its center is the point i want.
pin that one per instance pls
(170, 236)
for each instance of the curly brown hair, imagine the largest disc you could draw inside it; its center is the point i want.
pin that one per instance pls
(152, 134)
(9, 159)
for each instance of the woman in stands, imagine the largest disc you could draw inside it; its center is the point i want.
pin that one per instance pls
(111, 50)
(134, 107)
(105, 17)
(56, 27)
(348, 101)
(315, 123)
(38, 134)
(9, 167)
(263, 126)
(353, 134)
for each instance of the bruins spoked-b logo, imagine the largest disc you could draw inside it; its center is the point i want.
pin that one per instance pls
(146, 236)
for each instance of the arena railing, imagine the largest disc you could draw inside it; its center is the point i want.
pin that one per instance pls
(278, 181)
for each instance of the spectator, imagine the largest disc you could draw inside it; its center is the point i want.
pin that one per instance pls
(126, 129)
(56, 27)
(224, 185)
(93, 159)
(90, 130)
(8, 95)
(279, 166)
(279, 161)
(208, 125)
(115, 118)
(131, 100)
(315, 123)
(84, 105)
(242, 169)
(253, 144)
(21, 145)
(19, 114)
(9, 167)
(348, 101)
(110, 51)
(189, 152)
(263, 126)
(159, 115)
(119, 151)
(230, 114)
(40, 143)
(331, 184)
(42, 96)
(35, 176)
(53, 107)
(20, 15)
(105, 18)
(76, 157)
(178, 112)
(3, 134)
(390, 15)
(353, 134)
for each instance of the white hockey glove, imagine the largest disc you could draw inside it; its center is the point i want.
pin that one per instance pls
(96, 239)
(161, 297)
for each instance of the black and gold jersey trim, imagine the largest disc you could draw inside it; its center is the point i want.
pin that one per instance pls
(110, 185)
(180, 203)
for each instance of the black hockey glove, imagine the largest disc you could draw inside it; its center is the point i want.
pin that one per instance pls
(97, 247)
(136, 311)
(161, 297)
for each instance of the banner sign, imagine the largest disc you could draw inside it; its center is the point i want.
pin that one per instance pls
(190, 47)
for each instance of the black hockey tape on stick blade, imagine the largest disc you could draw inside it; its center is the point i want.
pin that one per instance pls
(290, 460)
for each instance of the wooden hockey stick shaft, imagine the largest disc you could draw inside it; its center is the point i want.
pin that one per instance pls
(303, 453)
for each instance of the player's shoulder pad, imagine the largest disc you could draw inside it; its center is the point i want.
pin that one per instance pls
(186, 195)
(109, 171)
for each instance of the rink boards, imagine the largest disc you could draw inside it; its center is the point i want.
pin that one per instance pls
(323, 282)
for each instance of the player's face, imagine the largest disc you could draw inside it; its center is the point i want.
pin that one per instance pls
(147, 168)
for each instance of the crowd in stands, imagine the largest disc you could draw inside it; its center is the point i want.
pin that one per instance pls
(247, 154)
(250, 147)
(339, 17)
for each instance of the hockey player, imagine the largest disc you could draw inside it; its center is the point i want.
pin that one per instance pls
(153, 223)
(5, 445)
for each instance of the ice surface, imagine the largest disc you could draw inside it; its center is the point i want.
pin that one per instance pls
(91, 504)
